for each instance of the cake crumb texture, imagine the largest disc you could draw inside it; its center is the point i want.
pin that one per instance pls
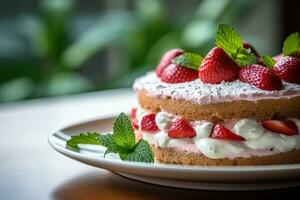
(174, 156)
(260, 109)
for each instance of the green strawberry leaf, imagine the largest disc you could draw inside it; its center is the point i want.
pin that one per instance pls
(123, 133)
(268, 61)
(82, 138)
(189, 60)
(291, 44)
(228, 39)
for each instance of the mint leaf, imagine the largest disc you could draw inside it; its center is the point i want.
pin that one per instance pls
(106, 140)
(188, 60)
(228, 39)
(117, 149)
(243, 57)
(291, 44)
(231, 42)
(141, 153)
(82, 138)
(121, 141)
(268, 61)
(123, 133)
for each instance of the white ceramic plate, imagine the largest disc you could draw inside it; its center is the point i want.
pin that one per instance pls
(191, 177)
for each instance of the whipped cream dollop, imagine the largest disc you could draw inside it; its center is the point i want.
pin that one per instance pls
(258, 140)
(205, 93)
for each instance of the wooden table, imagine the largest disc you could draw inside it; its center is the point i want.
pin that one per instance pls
(30, 169)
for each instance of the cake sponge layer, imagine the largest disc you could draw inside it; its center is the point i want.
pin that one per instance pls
(174, 156)
(260, 109)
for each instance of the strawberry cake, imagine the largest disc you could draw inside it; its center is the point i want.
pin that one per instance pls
(230, 107)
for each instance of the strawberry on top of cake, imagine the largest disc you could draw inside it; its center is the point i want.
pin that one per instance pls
(224, 108)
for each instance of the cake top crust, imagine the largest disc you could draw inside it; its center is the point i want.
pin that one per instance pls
(205, 93)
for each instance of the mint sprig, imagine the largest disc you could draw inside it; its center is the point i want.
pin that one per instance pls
(243, 58)
(123, 134)
(231, 42)
(291, 44)
(268, 61)
(82, 138)
(121, 141)
(188, 60)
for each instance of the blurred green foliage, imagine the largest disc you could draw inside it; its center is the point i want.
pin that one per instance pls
(127, 42)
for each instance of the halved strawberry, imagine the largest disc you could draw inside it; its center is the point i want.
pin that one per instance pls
(220, 132)
(288, 69)
(181, 129)
(148, 123)
(167, 59)
(285, 127)
(174, 73)
(134, 120)
(217, 66)
(260, 77)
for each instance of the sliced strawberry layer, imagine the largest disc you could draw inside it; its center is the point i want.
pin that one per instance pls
(134, 120)
(133, 113)
(220, 132)
(181, 128)
(285, 127)
(148, 123)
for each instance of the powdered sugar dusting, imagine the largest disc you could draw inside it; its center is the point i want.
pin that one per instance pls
(203, 93)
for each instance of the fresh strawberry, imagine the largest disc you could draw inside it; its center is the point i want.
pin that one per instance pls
(288, 69)
(252, 50)
(220, 132)
(167, 59)
(260, 77)
(178, 74)
(134, 120)
(181, 129)
(148, 123)
(281, 126)
(217, 66)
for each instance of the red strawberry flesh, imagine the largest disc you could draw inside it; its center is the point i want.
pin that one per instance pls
(133, 118)
(177, 74)
(260, 77)
(167, 59)
(181, 128)
(281, 126)
(220, 132)
(148, 123)
(288, 69)
(217, 66)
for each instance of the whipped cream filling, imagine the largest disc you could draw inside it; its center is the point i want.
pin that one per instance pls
(204, 93)
(258, 140)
